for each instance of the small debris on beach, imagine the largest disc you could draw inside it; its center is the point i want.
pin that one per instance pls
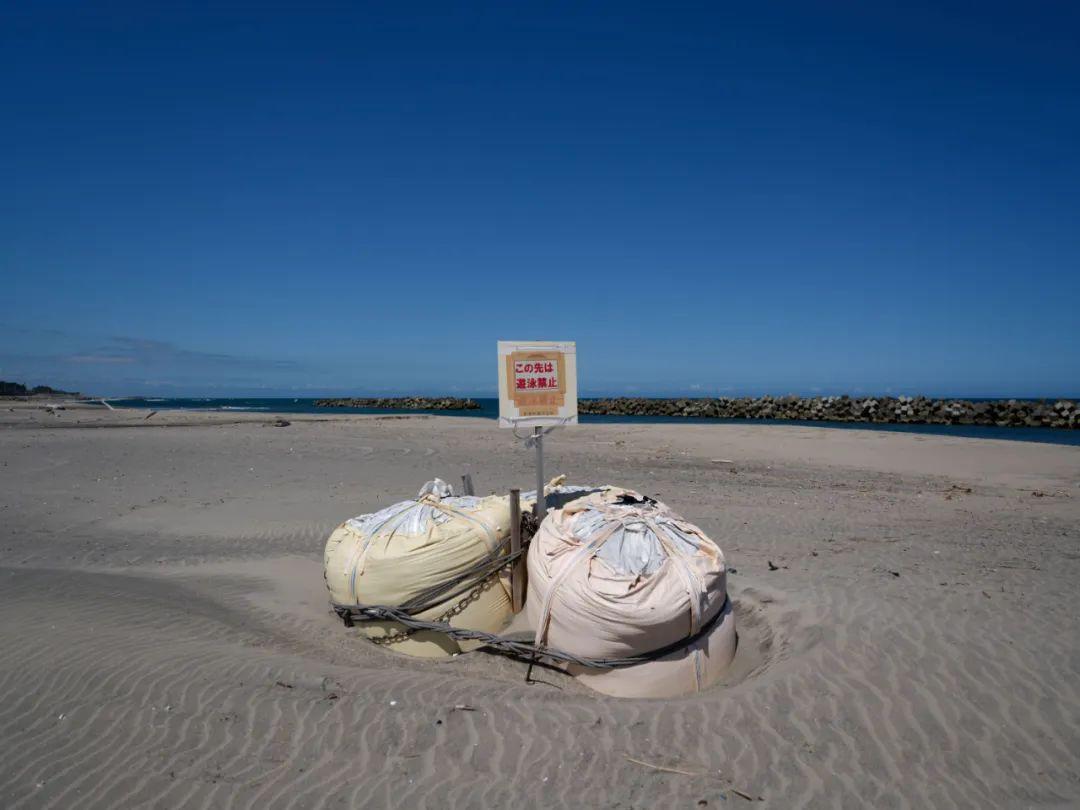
(877, 569)
(663, 768)
(956, 490)
(773, 567)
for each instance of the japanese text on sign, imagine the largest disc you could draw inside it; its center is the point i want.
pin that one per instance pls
(538, 374)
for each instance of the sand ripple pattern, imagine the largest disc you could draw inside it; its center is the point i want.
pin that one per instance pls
(147, 694)
(907, 610)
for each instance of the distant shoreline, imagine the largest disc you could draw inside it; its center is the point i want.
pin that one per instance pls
(657, 412)
(1061, 413)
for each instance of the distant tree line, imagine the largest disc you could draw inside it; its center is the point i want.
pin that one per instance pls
(14, 389)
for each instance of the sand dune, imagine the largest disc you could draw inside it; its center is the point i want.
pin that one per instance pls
(166, 641)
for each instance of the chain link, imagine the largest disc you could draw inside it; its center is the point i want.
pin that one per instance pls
(396, 636)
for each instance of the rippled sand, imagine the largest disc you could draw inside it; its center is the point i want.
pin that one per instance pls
(166, 641)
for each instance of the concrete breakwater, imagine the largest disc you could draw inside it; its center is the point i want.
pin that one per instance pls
(913, 410)
(406, 403)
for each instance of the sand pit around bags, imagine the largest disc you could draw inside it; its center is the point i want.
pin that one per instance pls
(615, 574)
(397, 553)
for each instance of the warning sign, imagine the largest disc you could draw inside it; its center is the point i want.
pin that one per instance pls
(537, 383)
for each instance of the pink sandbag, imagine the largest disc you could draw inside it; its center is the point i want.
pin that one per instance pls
(614, 575)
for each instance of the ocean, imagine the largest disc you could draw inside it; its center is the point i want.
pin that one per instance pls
(489, 409)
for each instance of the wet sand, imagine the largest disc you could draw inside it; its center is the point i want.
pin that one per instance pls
(167, 643)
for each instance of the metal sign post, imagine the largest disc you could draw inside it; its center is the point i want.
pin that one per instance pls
(541, 501)
(537, 389)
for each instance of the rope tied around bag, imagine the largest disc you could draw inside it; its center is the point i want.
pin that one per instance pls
(522, 650)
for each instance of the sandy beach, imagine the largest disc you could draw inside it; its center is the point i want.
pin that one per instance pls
(167, 642)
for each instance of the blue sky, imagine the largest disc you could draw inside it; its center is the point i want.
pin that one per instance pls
(239, 200)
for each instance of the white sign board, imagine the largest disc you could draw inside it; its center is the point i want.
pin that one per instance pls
(537, 383)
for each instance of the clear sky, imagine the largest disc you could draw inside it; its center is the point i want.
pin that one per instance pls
(216, 199)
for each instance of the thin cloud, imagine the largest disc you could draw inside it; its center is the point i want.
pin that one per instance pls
(156, 352)
(123, 364)
(99, 358)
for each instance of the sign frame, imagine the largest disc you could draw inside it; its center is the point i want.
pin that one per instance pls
(537, 383)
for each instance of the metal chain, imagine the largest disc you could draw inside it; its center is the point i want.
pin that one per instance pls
(395, 636)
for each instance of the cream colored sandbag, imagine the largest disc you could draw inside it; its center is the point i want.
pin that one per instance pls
(613, 575)
(391, 556)
(703, 661)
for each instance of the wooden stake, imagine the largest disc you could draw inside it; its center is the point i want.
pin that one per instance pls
(517, 570)
(466, 484)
